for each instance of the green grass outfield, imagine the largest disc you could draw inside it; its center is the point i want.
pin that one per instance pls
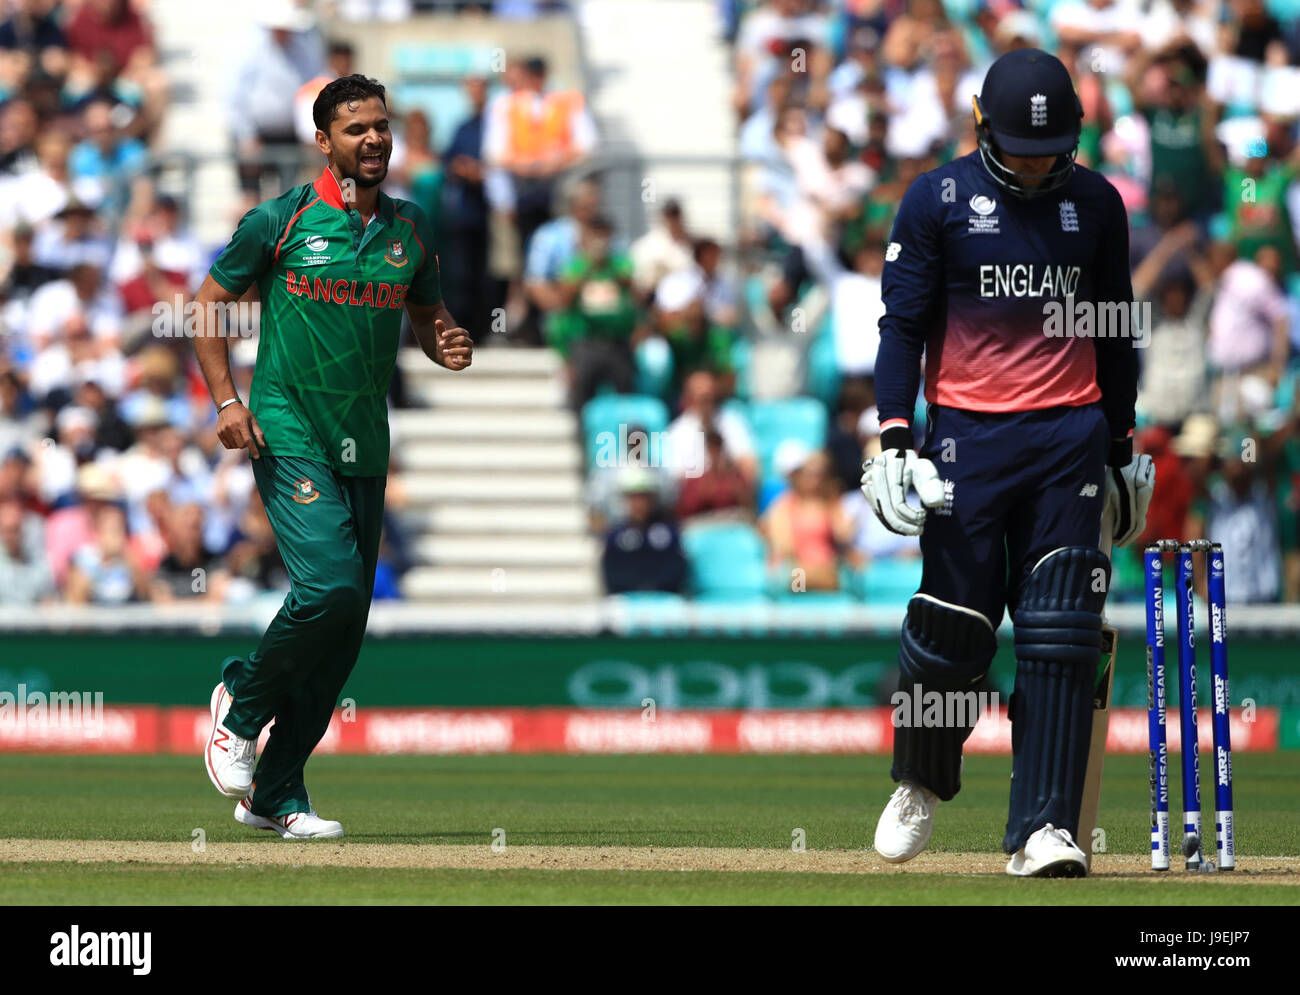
(618, 802)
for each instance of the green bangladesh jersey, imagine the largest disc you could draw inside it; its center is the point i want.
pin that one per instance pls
(1177, 153)
(1262, 217)
(332, 290)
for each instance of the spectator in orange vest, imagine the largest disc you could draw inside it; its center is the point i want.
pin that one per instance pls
(534, 136)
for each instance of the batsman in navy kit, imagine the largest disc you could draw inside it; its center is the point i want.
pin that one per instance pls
(1028, 439)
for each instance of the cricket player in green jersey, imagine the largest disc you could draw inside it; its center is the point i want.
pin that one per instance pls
(334, 263)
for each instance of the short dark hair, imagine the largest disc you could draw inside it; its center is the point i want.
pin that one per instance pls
(344, 90)
(703, 245)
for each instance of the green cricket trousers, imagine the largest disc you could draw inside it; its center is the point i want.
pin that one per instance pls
(327, 527)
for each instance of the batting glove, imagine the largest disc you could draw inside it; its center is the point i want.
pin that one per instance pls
(1128, 496)
(886, 480)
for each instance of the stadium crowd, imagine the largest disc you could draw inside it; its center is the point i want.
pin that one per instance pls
(737, 383)
(113, 485)
(1191, 110)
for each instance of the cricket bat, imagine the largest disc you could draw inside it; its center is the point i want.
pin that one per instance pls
(1097, 748)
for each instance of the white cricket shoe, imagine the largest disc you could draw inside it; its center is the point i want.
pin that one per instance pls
(906, 823)
(227, 757)
(294, 826)
(1049, 853)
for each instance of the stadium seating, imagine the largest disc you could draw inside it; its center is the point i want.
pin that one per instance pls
(606, 412)
(654, 367)
(823, 370)
(727, 562)
(888, 582)
(799, 418)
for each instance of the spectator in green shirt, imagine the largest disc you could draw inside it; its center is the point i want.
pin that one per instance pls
(1254, 198)
(696, 342)
(597, 320)
(1184, 150)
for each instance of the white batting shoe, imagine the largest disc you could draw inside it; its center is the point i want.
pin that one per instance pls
(1049, 853)
(227, 757)
(906, 823)
(294, 826)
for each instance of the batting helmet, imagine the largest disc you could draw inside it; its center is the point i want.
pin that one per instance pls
(1028, 107)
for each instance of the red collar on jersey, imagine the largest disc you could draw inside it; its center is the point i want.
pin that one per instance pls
(327, 187)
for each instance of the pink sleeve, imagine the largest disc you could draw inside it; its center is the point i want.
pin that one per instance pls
(65, 531)
(1275, 305)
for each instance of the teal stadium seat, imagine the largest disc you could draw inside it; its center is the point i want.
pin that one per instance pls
(778, 586)
(823, 369)
(755, 293)
(890, 582)
(429, 77)
(444, 103)
(607, 412)
(801, 418)
(742, 361)
(651, 613)
(654, 368)
(728, 562)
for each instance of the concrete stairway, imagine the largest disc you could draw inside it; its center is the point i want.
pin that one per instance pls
(494, 474)
(660, 86)
(200, 46)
